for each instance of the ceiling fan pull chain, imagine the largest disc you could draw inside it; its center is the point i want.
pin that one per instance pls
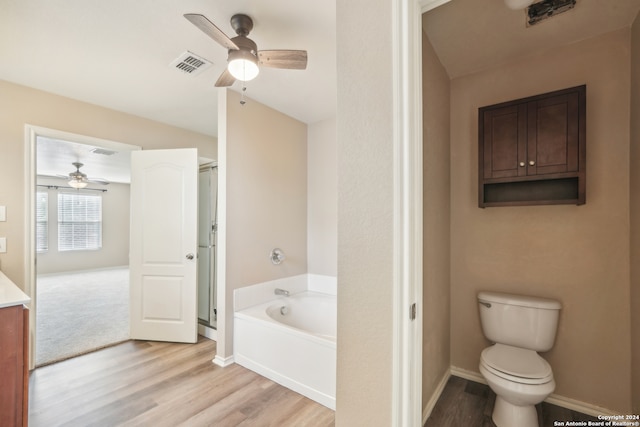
(242, 101)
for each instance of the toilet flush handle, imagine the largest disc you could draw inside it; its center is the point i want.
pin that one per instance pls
(486, 304)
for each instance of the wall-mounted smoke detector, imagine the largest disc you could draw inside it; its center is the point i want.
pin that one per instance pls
(546, 9)
(190, 63)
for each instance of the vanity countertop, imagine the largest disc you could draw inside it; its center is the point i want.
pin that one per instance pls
(10, 293)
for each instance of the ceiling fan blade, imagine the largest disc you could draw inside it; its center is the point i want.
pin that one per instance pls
(290, 59)
(60, 176)
(225, 79)
(98, 181)
(211, 30)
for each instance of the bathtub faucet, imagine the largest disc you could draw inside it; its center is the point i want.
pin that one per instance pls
(279, 291)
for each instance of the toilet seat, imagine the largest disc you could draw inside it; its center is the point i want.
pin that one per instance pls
(515, 364)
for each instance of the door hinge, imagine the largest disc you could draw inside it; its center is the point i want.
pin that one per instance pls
(413, 311)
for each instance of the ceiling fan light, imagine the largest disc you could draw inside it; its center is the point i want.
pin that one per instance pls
(518, 4)
(77, 184)
(243, 65)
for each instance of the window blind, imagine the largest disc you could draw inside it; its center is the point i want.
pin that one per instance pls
(42, 221)
(79, 221)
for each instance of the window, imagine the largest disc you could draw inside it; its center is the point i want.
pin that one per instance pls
(42, 221)
(79, 221)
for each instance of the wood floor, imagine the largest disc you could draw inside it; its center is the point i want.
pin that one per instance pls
(140, 383)
(469, 404)
(144, 383)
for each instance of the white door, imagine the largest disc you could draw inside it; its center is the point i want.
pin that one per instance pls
(164, 245)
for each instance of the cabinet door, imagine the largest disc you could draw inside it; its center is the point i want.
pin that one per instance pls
(11, 366)
(532, 151)
(552, 143)
(505, 140)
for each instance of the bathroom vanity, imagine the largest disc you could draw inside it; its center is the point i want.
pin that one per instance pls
(14, 367)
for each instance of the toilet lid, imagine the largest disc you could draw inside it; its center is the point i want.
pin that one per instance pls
(523, 365)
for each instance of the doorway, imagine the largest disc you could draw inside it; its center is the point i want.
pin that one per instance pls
(207, 233)
(55, 267)
(111, 260)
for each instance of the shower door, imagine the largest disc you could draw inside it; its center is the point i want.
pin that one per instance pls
(207, 217)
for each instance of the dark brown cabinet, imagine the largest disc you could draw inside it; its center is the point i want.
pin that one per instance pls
(531, 151)
(14, 322)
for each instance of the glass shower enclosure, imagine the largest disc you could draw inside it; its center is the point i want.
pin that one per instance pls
(207, 227)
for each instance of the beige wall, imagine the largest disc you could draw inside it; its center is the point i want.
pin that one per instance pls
(265, 162)
(20, 105)
(436, 208)
(115, 233)
(322, 206)
(365, 213)
(635, 215)
(576, 254)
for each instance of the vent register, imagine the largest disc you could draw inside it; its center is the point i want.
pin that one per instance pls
(545, 9)
(190, 63)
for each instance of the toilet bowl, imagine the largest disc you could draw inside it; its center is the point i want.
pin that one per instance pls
(520, 326)
(519, 382)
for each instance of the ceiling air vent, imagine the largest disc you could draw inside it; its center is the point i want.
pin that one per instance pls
(546, 9)
(190, 63)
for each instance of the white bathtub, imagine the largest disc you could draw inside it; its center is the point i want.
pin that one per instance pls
(290, 340)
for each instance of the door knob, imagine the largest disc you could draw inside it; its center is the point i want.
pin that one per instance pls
(189, 256)
(521, 164)
(531, 163)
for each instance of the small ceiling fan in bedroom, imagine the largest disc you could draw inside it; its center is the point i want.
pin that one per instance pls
(78, 179)
(244, 60)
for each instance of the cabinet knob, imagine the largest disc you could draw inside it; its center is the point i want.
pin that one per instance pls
(521, 164)
(532, 163)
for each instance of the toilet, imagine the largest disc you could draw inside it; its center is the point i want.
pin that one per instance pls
(520, 327)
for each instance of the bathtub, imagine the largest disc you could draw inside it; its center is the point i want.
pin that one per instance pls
(290, 340)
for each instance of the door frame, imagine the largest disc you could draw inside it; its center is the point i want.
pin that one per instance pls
(406, 404)
(408, 259)
(31, 133)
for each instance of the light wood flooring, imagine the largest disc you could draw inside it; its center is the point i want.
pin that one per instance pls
(140, 383)
(146, 383)
(470, 404)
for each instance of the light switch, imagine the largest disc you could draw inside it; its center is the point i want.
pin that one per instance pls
(3, 245)
(3, 213)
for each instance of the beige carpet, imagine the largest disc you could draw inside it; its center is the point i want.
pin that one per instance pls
(80, 312)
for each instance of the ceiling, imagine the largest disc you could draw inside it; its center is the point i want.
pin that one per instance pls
(472, 35)
(54, 158)
(116, 54)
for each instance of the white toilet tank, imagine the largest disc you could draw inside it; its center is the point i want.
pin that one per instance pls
(519, 320)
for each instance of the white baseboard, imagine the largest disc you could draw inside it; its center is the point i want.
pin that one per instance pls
(576, 405)
(223, 361)
(554, 399)
(208, 332)
(468, 375)
(434, 397)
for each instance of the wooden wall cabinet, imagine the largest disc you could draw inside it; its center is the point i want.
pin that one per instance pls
(14, 374)
(532, 151)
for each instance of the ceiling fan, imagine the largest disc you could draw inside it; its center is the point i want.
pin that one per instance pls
(244, 60)
(78, 179)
